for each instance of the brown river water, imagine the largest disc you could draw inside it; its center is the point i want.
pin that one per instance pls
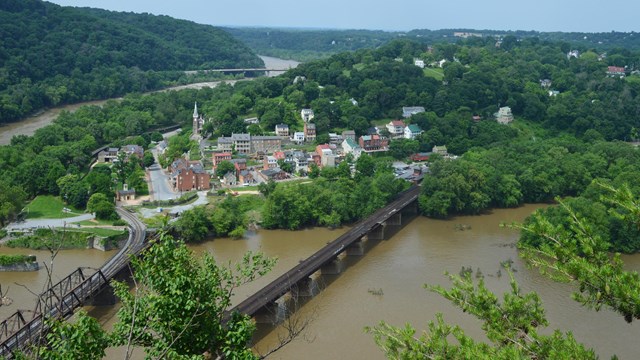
(418, 254)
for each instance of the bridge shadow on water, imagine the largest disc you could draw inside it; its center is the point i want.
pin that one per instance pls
(281, 316)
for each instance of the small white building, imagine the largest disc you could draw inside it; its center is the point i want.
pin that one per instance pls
(395, 128)
(504, 115)
(408, 111)
(282, 130)
(412, 131)
(350, 146)
(419, 63)
(307, 115)
(298, 137)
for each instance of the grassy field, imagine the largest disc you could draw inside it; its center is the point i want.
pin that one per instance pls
(94, 222)
(99, 231)
(49, 207)
(437, 74)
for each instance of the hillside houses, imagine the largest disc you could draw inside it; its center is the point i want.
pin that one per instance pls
(412, 131)
(615, 71)
(309, 131)
(373, 143)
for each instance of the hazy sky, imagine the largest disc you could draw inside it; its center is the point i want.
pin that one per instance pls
(541, 15)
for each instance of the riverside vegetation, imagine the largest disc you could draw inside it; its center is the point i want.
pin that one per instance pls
(555, 148)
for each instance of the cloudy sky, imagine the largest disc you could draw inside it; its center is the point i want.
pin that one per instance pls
(541, 15)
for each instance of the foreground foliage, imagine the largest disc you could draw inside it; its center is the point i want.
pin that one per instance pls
(177, 310)
(575, 252)
(512, 326)
(569, 252)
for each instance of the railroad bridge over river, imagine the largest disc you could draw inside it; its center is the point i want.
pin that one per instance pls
(81, 288)
(378, 226)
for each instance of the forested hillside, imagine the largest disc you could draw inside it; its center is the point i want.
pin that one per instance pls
(51, 55)
(306, 44)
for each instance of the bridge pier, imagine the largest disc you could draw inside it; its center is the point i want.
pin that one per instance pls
(395, 219)
(357, 248)
(306, 287)
(412, 209)
(377, 233)
(267, 314)
(334, 267)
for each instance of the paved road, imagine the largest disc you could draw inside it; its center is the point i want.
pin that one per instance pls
(201, 200)
(160, 188)
(46, 223)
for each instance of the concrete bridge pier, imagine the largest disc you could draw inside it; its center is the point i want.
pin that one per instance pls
(357, 248)
(334, 267)
(411, 209)
(395, 219)
(267, 314)
(377, 233)
(306, 287)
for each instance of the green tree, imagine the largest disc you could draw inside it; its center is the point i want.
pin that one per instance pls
(224, 167)
(193, 225)
(82, 339)
(512, 327)
(578, 253)
(11, 201)
(103, 207)
(180, 303)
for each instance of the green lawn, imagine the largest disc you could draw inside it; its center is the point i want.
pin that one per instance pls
(99, 231)
(49, 207)
(437, 74)
(94, 222)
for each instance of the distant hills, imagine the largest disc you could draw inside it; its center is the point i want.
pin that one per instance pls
(51, 54)
(306, 44)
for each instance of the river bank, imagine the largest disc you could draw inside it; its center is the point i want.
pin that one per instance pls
(29, 125)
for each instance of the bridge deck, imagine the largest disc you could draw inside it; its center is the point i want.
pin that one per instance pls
(284, 283)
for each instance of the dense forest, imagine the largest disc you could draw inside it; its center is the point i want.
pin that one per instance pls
(308, 44)
(51, 55)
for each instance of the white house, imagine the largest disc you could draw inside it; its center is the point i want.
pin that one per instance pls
(307, 115)
(298, 137)
(412, 131)
(504, 115)
(396, 128)
(408, 111)
(282, 130)
(419, 63)
(350, 146)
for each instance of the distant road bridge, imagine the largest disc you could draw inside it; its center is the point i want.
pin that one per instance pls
(375, 227)
(237, 70)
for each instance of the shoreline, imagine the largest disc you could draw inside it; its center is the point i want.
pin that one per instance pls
(28, 125)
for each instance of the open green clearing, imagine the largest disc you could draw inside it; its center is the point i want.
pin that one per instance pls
(100, 231)
(49, 207)
(437, 74)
